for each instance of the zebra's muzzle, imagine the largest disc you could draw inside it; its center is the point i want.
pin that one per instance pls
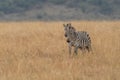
(65, 35)
(68, 40)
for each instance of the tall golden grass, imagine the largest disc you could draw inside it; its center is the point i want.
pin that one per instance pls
(38, 51)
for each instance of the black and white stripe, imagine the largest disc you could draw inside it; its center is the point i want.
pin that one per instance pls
(77, 39)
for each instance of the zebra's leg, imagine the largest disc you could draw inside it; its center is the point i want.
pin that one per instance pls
(90, 49)
(70, 47)
(76, 50)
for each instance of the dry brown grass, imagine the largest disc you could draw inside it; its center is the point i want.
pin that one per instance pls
(38, 51)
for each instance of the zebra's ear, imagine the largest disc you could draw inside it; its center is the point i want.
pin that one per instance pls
(63, 25)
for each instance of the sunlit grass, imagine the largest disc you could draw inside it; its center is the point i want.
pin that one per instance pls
(38, 51)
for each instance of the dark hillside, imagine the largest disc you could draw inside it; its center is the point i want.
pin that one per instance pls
(59, 9)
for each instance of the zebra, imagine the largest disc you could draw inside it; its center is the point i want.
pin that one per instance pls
(77, 39)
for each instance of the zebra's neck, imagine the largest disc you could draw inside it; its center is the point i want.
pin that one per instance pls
(73, 36)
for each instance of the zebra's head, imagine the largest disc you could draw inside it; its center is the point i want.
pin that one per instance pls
(68, 28)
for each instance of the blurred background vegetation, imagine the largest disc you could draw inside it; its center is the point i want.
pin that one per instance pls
(59, 10)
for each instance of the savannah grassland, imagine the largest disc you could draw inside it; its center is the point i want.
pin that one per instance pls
(38, 51)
